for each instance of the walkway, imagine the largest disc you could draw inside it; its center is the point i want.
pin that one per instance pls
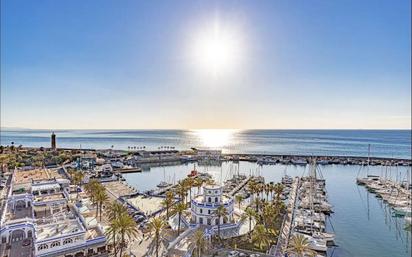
(283, 240)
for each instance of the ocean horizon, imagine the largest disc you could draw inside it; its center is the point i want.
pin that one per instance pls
(394, 143)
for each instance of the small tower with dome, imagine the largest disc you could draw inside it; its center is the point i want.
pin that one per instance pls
(204, 206)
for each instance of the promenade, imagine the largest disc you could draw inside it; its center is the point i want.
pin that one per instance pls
(283, 240)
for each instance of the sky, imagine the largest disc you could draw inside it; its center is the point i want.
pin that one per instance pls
(206, 64)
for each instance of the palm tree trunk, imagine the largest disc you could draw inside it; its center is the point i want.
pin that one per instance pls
(157, 245)
(114, 243)
(101, 211)
(178, 227)
(250, 227)
(122, 244)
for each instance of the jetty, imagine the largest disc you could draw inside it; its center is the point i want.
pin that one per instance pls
(286, 228)
(128, 170)
(163, 190)
(240, 186)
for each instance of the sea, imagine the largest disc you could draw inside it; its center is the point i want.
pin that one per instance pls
(364, 225)
(383, 143)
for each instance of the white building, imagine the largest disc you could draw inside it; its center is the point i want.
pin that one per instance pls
(42, 215)
(203, 207)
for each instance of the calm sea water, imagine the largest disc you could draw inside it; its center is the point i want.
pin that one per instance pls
(363, 224)
(384, 143)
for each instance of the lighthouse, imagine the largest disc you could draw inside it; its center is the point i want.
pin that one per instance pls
(53, 141)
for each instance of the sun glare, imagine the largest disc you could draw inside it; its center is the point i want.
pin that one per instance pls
(217, 49)
(215, 138)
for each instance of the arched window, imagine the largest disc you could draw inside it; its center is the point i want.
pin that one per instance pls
(42, 247)
(54, 244)
(216, 200)
(67, 241)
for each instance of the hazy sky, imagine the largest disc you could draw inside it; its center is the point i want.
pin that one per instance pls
(146, 64)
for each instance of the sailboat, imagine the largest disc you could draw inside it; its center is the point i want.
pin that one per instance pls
(369, 178)
(163, 183)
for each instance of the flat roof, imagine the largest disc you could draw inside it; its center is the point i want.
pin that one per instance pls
(27, 176)
(48, 198)
(58, 228)
(45, 186)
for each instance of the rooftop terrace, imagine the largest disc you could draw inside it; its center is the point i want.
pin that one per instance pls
(26, 176)
(58, 228)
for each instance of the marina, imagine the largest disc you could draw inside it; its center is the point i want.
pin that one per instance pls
(205, 129)
(372, 223)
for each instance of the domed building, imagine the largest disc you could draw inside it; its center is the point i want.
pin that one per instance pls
(203, 207)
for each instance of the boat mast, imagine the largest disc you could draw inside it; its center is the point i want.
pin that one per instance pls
(369, 157)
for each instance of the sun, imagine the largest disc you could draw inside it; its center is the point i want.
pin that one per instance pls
(217, 49)
(215, 138)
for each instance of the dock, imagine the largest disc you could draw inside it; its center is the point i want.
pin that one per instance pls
(240, 186)
(128, 170)
(286, 228)
(161, 191)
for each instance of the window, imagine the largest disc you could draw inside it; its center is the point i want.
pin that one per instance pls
(208, 211)
(201, 210)
(217, 221)
(42, 247)
(67, 241)
(209, 222)
(54, 244)
(209, 199)
(216, 200)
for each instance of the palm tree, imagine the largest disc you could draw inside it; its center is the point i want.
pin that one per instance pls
(101, 198)
(269, 216)
(249, 214)
(257, 203)
(252, 187)
(91, 189)
(199, 241)
(189, 184)
(77, 178)
(115, 210)
(168, 201)
(179, 209)
(239, 199)
(112, 232)
(267, 191)
(299, 245)
(220, 212)
(278, 188)
(198, 183)
(261, 189)
(156, 226)
(260, 236)
(127, 228)
(181, 190)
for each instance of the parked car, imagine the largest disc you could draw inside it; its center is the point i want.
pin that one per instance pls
(233, 254)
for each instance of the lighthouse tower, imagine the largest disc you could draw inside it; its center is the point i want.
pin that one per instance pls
(53, 141)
